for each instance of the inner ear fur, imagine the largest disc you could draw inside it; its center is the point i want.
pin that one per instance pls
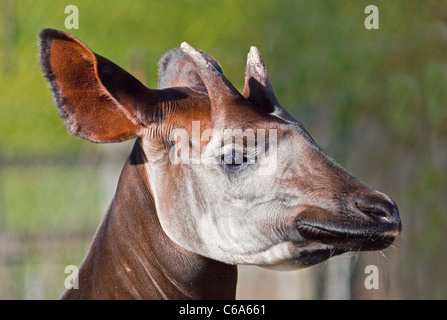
(98, 100)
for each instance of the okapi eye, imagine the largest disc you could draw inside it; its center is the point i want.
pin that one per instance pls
(234, 160)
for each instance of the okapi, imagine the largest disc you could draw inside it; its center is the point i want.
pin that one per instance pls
(185, 213)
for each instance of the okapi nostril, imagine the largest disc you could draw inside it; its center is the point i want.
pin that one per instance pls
(376, 206)
(373, 210)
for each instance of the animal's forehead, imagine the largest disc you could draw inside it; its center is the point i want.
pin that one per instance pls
(237, 116)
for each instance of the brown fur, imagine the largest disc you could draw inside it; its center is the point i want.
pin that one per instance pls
(132, 258)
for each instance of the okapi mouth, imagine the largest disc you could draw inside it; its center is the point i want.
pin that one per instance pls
(367, 220)
(360, 239)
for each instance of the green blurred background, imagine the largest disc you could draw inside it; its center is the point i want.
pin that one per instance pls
(375, 100)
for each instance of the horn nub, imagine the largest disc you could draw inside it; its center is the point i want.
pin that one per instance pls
(256, 66)
(258, 88)
(194, 54)
(216, 84)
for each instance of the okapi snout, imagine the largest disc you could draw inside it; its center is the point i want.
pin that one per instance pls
(367, 220)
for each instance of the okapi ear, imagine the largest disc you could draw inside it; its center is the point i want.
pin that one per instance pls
(98, 100)
(258, 89)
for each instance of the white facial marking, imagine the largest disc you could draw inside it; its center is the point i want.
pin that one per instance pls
(242, 214)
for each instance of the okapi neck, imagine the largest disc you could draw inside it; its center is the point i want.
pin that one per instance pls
(132, 258)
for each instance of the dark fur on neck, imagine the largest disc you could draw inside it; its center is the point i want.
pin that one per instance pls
(132, 258)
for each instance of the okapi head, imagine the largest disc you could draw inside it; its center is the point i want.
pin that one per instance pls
(234, 177)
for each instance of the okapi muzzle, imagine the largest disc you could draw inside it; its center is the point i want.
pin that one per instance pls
(216, 177)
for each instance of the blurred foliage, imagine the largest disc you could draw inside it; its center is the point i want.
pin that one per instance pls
(29, 212)
(337, 77)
